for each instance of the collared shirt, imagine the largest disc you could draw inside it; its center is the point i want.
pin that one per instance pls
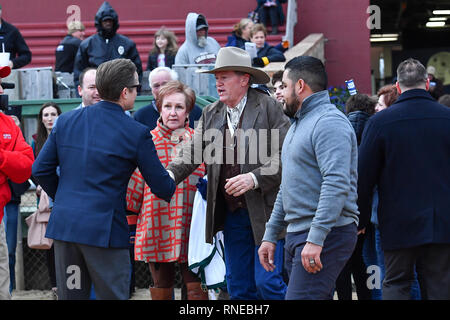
(234, 114)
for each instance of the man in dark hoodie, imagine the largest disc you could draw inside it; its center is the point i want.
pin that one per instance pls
(106, 44)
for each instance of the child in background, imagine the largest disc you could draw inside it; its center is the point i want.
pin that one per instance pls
(265, 52)
(164, 49)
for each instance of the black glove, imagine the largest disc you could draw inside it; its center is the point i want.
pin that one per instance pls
(258, 62)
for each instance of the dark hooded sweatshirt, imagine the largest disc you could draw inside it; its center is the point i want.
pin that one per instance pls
(104, 46)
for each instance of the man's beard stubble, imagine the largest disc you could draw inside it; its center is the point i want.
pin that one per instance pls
(290, 109)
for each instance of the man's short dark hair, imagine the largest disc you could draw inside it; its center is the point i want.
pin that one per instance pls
(310, 69)
(82, 74)
(114, 75)
(360, 102)
(277, 76)
(411, 73)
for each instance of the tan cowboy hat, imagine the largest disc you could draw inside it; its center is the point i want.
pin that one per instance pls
(236, 59)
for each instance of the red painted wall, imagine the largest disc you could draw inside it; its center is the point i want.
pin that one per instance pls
(55, 10)
(343, 22)
(347, 51)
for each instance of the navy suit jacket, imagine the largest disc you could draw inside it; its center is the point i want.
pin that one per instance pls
(405, 150)
(148, 116)
(97, 149)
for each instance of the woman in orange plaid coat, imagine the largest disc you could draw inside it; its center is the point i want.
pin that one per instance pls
(162, 231)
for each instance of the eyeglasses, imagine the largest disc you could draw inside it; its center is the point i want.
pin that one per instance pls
(137, 86)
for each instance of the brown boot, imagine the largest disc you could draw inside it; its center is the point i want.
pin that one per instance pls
(161, 293)
(195, 291)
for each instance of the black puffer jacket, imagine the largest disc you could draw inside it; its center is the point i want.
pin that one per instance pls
(104, 46)
(358, 120)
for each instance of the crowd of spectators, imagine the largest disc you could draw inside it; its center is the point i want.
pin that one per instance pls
(130, 179)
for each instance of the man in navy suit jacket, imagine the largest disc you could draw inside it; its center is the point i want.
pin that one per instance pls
(97, 149)
(405, 151)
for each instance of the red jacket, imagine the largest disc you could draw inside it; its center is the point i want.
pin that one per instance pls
(16, 158)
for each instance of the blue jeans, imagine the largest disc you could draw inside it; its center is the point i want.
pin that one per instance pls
(373, 256)
(246, 278)
(337, 250)
(11, 220)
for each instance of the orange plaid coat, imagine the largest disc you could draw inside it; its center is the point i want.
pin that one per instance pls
(162, 231)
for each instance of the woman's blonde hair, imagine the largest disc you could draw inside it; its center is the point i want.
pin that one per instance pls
(238, 27)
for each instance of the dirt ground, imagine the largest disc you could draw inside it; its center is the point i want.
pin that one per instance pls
(140, 294)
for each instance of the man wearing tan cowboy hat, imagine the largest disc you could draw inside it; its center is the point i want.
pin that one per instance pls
(243, 177)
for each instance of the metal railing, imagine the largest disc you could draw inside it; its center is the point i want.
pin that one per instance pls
(291, 21)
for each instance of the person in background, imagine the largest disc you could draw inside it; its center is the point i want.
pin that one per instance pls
(67, 49)
(265, 52)
(404, 151)
(240, 34)
(445, 100)
(87, 88)
(359, 108)
(162, 232)
(13, 42)
(436, 85)
(10, 218)
(277, 83)
(387, 95)
(271, 9)
(47, 116)
(372, 251)
(198, 48)
(164, 49)
(149, 114)
(16, 159)
(106, 44)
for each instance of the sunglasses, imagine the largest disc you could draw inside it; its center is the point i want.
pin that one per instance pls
(137, 86)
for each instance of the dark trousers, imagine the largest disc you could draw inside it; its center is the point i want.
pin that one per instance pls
(355, 266)
(50, 256)
(337, 249)
(269, 14)
(79, 266)
(432, 264)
